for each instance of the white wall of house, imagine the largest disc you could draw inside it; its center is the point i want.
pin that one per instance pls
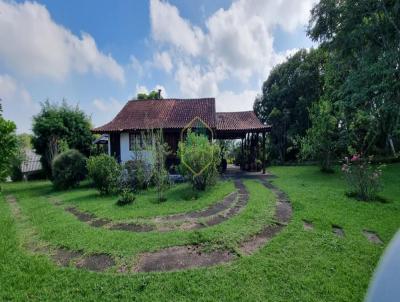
(127, 154)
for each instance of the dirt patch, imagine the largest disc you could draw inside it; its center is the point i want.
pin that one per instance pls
(132, 227)
(181, 257)
(11, 199)
(63, 257)
(337, 230)
(221, 206)
(372, 237)
(96, 262)
(99, 222)
(250, 246)
(82, 216)
(283, 212)
(308, 225)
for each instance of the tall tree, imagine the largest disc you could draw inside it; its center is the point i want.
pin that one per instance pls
(8, 146)
(363, 74)
(58, 127)
(286, 96)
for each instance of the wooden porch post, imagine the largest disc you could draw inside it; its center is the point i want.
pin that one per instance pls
(242, 157)
(263, 152)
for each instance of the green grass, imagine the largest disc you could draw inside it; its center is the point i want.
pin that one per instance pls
(180, 198)
(295, 266)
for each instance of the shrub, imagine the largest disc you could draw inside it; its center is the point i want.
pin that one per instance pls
(160, 173)
(105, 173)
(126, 197)
(68, 169)
(199, 160)
(363, 179)
(136, 175)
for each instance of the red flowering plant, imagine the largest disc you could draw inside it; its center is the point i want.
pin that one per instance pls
(363, 178)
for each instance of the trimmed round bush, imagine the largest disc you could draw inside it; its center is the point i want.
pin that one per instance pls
(68, 169)
(126, 197)
(105, 173)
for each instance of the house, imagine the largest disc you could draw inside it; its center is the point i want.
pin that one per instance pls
(31, 165)
(172, 116)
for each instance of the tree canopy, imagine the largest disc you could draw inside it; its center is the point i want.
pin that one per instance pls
(362, 74)
(286, 96)
(8, 146)
(152, 95)
(59, 127)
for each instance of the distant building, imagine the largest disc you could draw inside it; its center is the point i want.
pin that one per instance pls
(31, 165)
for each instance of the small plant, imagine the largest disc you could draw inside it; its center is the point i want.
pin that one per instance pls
(105, 173)
(200, 159)
(68, 169)
(126, 197)
(363, 179)
(160, 173)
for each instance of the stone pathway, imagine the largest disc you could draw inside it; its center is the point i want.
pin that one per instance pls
(63, 256)
(184, 257)
(372, 237)
(308, 225)
(212, 215)
(337, 230)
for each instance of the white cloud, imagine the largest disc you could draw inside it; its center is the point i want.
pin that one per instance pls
(230, 101)
(141, 89)
(17, 103)
(32, 44)
(106, 110)
(168, 26)
(162, 60)
(237, 42)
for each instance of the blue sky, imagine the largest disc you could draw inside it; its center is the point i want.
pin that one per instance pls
(99, 54)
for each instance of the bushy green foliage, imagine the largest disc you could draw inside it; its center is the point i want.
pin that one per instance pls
(362, 74)
(126, 197)
(200, 159)
(68, 168)
(105, 172)
(321, 139)
(8, 146)
(287, 94)
(60, 127)
(152, 95)
(363, 178)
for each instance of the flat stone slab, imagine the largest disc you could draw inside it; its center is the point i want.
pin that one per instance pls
(96, 262)
(337, 230)
(250, 246)
(181, 257)
(63, 257)
(82, 216)
(132, 227)
(372, 237)
(99, 222)
(308, 225)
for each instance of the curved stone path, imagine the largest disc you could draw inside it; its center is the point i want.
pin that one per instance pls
(185, 257)
(212, 215)
(173, 258)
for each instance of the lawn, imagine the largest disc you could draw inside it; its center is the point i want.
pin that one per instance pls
(296, 265)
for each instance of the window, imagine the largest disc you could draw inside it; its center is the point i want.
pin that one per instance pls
(139, 141)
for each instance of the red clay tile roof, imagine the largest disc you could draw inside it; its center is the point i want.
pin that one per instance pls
(177, 113)
(165, 113)
(244, 120)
